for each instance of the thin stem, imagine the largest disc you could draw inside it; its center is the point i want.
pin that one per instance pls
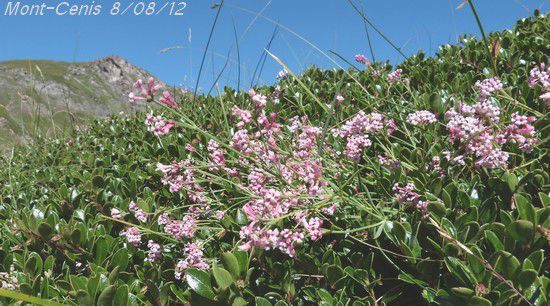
(478, 20)
(206, 51)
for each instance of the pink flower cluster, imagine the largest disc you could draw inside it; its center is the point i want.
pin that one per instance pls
(116, 214)
(179, 175)
(395, 76)
(488, 86)
(181, 229)
(283, 240)
(360, 58)
(313, 227)
(421, 118)
(478, 132)
(194, 258)
(539, 76)
(168, 99)
(144, 92)
(258, 100)
(138, 212)
(357, 130)
(468, 128)
(133, 235)
(521, 132)
(283, 74)
(244, 116)
(217, 156)
(157, 125)
(154, 253)
(355, 146)
(407, 196)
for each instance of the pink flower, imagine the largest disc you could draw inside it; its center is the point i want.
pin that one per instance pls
(168, 99)
(282, 74)
(133, 236)
(116, 214)
(181, 229)
(313, 227)
(146, 93)
(355, 146)
(360, 58)
(157, 125)
(259, 101)
(284, 240)
(394, 76)
(330, 210)
(154, 252)
(194, 258)
(488, 86)
(138, 212)
(243, 115)
(421, 118)
(540, 75)
(521, 132)
(163, 219)
(216, 155)
(407, 196)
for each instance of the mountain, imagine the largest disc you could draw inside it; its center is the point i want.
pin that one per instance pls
(48, 97)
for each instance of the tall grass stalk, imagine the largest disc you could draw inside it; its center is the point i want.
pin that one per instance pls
(206, 50)
(487, 47)
(377, 30)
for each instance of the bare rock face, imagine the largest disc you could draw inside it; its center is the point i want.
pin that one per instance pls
(62, 93)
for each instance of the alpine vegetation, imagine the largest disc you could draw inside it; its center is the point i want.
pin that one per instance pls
(425, 183)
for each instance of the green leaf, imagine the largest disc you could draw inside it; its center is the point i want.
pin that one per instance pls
(479, 301)
(460, 271)
(231, 264)
(120, 259)
(242, 258)
(222, 277)
(463, 292)
(527, 277)
(121, 295)
(437, 208)
(494, 240)
(239, 301)
(521, 230)
(45, 230)
(334, 273)
(510, 264)
(84, 298)
(260, 301)
(114, 275)
(525, 209)
(98, 182)
(18, 296)
(199, 281)
(107, 296)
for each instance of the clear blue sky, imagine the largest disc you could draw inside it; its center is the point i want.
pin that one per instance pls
(329, 24)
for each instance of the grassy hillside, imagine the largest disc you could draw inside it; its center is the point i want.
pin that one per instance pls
(417, 186)
(53, 98)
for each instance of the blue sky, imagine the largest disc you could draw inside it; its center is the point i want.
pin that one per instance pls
(331, 25)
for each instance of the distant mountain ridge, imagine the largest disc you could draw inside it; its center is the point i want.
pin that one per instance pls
(51, 97)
